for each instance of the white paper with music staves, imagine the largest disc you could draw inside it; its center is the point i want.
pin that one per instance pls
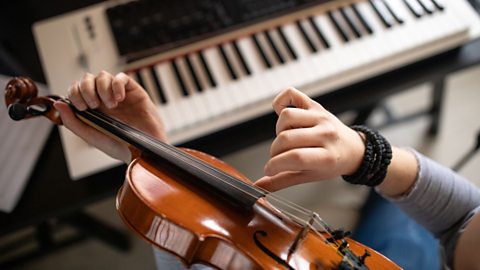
(21, 144)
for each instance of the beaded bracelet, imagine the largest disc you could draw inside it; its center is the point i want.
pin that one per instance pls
(377, 157)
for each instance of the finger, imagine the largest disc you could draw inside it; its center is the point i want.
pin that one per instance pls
(302, 159)
(88, 91)
(284, 180)
(75, 97)
(291, 118)
(103, 84)
(296, 138)
(123, 83)
(291, 97)
(118, 85)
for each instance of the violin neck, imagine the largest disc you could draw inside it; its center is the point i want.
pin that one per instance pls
(234, 190)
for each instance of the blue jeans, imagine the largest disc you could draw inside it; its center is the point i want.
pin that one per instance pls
(388, 230)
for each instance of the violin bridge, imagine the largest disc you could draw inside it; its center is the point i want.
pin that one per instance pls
(301, 234)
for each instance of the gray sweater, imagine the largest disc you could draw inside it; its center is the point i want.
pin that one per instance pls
(442, 201)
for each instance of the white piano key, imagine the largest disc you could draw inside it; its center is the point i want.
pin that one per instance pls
(226, 86)
(149, 85)
(415, 6)
(290, 66)
(241, 93)
(179, 115)
(305, 72)
(260, 82)
(208, 93)
(199, 110)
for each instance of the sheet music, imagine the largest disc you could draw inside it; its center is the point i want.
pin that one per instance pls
(21, 143)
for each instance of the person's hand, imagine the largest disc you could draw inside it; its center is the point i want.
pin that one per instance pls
(311, 144)
(118, 96)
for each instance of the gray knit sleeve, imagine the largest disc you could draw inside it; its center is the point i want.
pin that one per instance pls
(442, 201)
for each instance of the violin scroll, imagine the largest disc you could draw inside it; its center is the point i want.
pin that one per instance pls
(22, 100)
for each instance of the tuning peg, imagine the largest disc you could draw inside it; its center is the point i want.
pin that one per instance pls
(17, 111)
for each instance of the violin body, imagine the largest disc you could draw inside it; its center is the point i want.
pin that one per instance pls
(190, 223)
(202, 210)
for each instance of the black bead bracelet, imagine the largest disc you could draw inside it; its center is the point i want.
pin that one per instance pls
(377, 157)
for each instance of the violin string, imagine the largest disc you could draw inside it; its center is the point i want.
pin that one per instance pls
(200, 165)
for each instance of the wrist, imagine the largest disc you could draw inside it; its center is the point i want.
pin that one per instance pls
(376, 159)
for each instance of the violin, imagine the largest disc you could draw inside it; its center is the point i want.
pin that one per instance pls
(204, 211)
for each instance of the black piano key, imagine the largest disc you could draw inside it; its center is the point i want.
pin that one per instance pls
(380, 13)
(438, 5)
(338, 27)
(287, 44)
(427, 8)
(362, 18)
(158, 86)
(180, 81)
(139, 79)
(305, 36)
(227, 63)
(351, 22)
(262, 53)
(193, 74)
(206, 68)
(392, 12)
(240, 56)
(415, 11)
(274, 47)
(319, 33)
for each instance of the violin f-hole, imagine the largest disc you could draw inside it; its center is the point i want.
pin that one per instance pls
(268, 251)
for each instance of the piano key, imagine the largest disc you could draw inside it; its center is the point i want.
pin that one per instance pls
(273, 47)
(195, 100)
(305, 37)
(303, 51)
(261, 51)
(277, 72)
(382, 13)
(392, 12)
(207, 69)
(240, 56)
(347, 16)
(287, 44)
(234, 60)
(414, 8)
(319, 33)
(326, 63)
(156, 80)
(210, 96)
(290, 71)
(375, 50)
(226, 62)
(139, 79)
(427, 6)
(362, 19)
(438, 4)
(193, 74)
(149, 85)
(338, 25)
(227, 88)
(176, 109)
(180, 82)
(261, 78)
(280, 44)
